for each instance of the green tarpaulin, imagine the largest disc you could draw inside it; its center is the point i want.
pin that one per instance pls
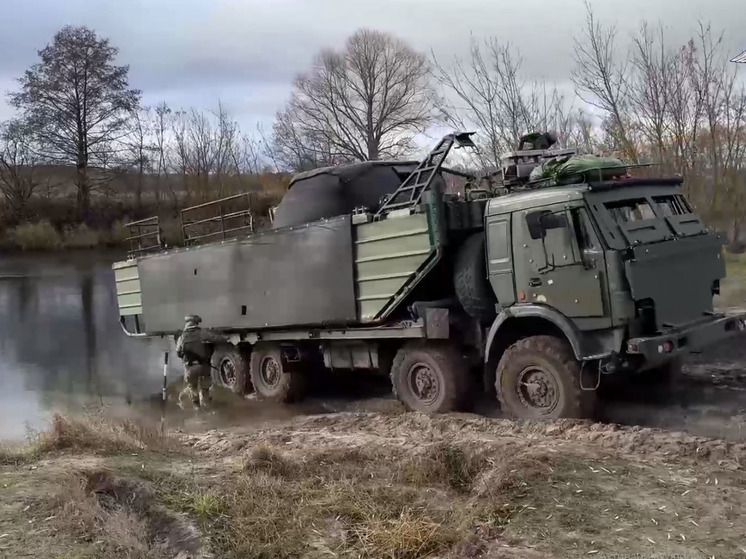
(567, 170)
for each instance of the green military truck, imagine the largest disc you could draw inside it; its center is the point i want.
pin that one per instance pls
(569, 272)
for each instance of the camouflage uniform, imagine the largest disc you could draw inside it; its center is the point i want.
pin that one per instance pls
(195, 350)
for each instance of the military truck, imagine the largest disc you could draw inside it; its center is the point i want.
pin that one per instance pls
(563, 272)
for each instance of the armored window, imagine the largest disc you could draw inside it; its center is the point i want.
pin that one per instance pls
(626, 211)
(672, 205)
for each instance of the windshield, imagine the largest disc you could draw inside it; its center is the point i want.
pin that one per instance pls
(639, 215)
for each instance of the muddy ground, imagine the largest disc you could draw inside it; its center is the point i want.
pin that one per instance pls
(350, 475)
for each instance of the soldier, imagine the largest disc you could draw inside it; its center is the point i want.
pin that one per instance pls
(195, 348)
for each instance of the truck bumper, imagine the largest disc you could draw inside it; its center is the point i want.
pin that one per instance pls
(688, 338)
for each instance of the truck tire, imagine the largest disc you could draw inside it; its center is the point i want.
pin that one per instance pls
(430, 378)
(271, 380)
(230, 368)
(539, 378)
(473, 290)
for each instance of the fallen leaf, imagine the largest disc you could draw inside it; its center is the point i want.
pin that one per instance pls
(651, 541)
(685, 492)
(692, 521)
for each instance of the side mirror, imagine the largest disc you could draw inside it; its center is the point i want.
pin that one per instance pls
(540, 221)
(533, 221)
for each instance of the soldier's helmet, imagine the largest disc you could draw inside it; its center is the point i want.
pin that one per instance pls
(192, 321)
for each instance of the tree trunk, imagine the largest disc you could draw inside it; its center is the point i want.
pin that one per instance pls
(84, 193)
(373, 154)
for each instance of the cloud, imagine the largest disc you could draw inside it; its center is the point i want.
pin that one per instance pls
(192, 52)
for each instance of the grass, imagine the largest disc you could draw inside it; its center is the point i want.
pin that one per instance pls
(92, 487)
(91, 432)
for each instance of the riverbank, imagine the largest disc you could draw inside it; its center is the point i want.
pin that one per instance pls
(371, 485)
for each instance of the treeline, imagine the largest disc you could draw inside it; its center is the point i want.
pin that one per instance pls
(84, 150)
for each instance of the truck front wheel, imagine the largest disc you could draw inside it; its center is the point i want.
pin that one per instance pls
(430, 378)
(271, 378)
(539, 378)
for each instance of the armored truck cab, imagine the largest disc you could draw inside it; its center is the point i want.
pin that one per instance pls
(569, 276)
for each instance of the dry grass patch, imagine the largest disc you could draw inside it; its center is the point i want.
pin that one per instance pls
(36, 236)
(93, 432)
(120, 514)
(361, 502)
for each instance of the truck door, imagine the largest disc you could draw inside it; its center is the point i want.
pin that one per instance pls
(500, 259)
(560, 261)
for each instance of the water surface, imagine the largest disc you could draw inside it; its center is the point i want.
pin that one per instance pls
(61, 345)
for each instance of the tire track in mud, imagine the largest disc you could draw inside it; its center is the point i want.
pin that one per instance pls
(708, 400)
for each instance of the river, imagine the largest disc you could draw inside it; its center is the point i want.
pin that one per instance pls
(61, 343)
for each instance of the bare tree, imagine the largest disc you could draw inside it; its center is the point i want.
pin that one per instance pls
(77, 101)
(161, 126)
(601, 80)
(364, 102)
(650, 88)
(296, 147)
(139, 149)
(18, 167)
(487, 91)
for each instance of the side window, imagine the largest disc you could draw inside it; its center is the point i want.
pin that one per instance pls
(588, 242)
(553, 239)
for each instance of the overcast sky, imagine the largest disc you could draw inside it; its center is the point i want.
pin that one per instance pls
(246, 52)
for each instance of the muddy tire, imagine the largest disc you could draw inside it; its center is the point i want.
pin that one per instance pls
(539, 378)
(271, 379)
(230, 369)
(470, 281)
(430, 378)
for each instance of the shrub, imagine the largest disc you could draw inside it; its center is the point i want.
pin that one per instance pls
(81, 236)
(36, 236)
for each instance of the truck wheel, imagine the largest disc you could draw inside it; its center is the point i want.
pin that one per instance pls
(430, 378)
(230, 369)
(473, 290)
(539, 378)
(271, 380)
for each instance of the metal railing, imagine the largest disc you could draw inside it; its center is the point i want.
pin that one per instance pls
(230, 222)
(144, 236)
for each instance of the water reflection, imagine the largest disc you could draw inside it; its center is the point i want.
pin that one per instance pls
(60, 341)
